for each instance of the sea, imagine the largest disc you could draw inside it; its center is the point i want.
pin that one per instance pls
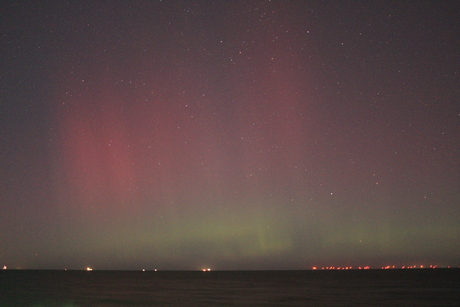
(396, 287)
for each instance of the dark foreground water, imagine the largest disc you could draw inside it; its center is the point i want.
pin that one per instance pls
(424, 287)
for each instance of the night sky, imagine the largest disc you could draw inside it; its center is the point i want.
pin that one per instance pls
(229, 134)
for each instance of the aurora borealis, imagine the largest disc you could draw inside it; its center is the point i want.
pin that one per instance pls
(229, 134)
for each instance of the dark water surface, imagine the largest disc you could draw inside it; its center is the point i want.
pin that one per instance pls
(424, 287)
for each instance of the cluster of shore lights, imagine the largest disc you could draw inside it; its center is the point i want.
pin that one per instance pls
(341, 268)
(432, 266)
(206, 270)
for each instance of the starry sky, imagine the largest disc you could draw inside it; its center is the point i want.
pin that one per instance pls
(229, 134)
